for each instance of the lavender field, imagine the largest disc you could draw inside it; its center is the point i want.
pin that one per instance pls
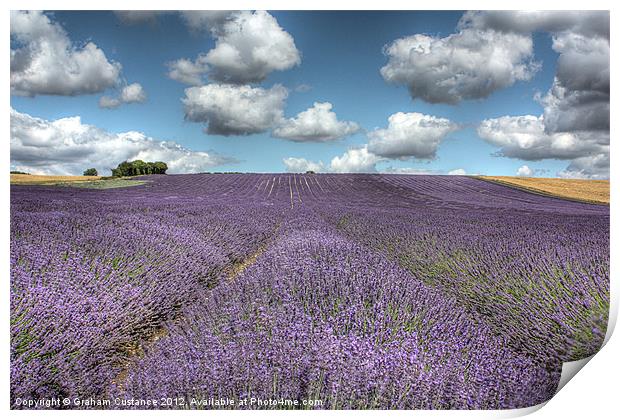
(358, 291)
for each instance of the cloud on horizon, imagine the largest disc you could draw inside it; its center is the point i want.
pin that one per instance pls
(524, 137)
(293, 164)
(410, 135)
(68, 146)
(316, 124)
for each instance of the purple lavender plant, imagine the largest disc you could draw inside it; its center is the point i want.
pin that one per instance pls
(361, 291)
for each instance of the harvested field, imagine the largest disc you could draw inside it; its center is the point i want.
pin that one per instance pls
(21, 179)
(94, 182)
(590, 191)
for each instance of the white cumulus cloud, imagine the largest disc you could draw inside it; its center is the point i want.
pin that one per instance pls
(108, 102)
(588, 167)
(470, 64)
(293, 164)
(235, 110)
(44, 61)
(576, 117)
(524, 137)
(458, 171)
(68, 146)
(407, 135)
(187, 71)
(248, 47)
(578, 100)
(130, 94)
(410, 135)
(316, 124)
(205, 20)
(492, 50)
(525, 171)
(133, 93)
(579, 96)
(355, 160)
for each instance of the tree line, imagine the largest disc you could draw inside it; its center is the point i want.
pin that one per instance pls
(139, 167)
(133, 168)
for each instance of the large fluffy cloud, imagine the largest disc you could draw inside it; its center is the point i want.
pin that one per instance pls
(235, 110)
(293, 164)
(248, 46)
(579, 97)
(493, 50)
(592, 167)
(410, 135)
(44, 61)
(407, 135)
(355, 160)
(317, 124)
(130, 94)
(524, 137)
(575, 120)
(470, 64)
(68, 146)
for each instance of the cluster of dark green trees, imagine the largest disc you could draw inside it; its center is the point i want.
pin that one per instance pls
(90, 172)
(139, 167)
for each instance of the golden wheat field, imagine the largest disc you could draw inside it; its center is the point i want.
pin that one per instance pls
(594, 191)
(49, 179)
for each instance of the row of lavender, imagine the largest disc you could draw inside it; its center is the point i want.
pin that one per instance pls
(318, 317)
(93, 274)
(539, 279)
(366, 290)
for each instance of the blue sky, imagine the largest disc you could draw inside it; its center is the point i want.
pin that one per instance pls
(341, 56)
